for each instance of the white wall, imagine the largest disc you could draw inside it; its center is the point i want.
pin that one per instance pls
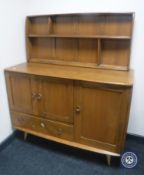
(12, 51)
(136, 123)
(12, 48)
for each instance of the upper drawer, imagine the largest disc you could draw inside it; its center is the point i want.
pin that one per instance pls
(43, 126)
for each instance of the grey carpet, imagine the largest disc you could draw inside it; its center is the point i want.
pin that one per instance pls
(41, 157)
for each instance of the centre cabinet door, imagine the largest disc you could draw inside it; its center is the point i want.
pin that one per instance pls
(55, 99)
(101, 115)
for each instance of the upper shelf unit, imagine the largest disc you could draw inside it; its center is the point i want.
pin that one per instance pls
(91, 40)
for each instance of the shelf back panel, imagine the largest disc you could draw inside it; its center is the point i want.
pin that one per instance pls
(81, 50)
(115, 53)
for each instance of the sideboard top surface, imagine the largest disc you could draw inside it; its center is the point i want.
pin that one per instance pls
(124, 78)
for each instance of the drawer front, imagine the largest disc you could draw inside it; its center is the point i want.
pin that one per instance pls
(42, 126)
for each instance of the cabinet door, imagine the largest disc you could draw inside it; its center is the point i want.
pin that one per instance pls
(101, 115)
(56, 99)
(19, 90)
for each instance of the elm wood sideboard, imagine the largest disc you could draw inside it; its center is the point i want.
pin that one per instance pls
(64, 92)
(76, 106)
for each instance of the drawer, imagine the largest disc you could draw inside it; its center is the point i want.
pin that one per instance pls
(43, 126)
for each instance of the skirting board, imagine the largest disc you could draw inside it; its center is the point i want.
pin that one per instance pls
(16, 133)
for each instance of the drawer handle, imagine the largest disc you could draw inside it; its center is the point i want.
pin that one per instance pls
(59, 131)
(33, 126)
(43, 114)
(77, 109)
(42, 125)
(20, 120)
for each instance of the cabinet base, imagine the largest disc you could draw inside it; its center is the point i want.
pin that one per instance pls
(69, 143)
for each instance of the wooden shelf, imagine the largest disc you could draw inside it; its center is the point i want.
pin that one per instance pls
(90, 40)
(78, 36)
(111, 77)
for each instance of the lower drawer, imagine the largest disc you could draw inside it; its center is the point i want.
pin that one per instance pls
(43, 126)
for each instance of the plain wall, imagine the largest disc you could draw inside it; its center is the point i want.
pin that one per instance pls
(12, 51)
(12, 48)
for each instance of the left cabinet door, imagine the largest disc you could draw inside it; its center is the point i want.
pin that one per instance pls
(19, 92)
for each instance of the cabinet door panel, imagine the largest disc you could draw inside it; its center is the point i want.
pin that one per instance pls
(99, 121)
(57, 99)
(20, 92)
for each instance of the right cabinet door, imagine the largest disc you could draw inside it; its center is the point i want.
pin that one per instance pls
(101, 115)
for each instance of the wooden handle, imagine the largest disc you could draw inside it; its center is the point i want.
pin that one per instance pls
(77, 109)
(43, 114)
(39, 96)
(20, 119)
(33, 94)
(42, 125)
(59, 131)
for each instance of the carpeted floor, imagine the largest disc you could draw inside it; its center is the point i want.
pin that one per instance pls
(41, 157)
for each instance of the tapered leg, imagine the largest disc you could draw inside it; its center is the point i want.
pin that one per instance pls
(108, 159)
(25, 135)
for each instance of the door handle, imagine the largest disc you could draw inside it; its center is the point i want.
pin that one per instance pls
(78, 109)
(39, 96)
(34, 95)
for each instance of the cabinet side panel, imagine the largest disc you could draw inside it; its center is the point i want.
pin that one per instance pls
(8, 86)
(124, 118)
